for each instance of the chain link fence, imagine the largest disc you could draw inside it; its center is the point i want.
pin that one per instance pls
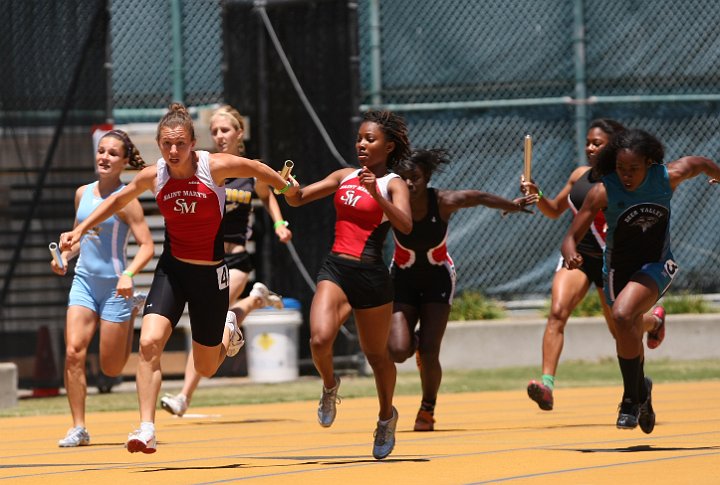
(472, 77)
(475, 77)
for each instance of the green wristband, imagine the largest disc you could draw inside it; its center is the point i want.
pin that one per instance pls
(540, 194)
(280, 223)
(128, 273)
(284, 189)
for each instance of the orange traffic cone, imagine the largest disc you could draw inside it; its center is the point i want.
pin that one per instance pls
(45, 376)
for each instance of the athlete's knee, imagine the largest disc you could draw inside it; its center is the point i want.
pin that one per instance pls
(110, 367)
(321, 342)
(429, 357)
(399, 352)
(149, 348)
(205, 369)
(378, 359)
(624, 320)
(559, 314)
(75, 356)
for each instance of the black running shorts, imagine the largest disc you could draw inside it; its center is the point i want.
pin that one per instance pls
(205, 290)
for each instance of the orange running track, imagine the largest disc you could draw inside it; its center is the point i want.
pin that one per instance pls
(492, 437)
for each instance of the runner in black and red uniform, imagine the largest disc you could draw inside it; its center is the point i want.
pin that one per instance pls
(227, 127)
(424, 273)
(188, 188)
(571, 286)
(353, 277)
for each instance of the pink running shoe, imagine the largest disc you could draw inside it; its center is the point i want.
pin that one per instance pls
(657, 335)
(541, 394)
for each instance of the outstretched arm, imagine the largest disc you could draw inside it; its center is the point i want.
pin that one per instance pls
(318, 190)
(686, 168)
(452, 200)
(225, 166)
(142, 182)
(595, 201)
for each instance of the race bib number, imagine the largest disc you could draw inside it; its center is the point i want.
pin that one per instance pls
(223, 277)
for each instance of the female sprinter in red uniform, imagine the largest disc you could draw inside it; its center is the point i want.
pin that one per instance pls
(354, 277)
(189, 190)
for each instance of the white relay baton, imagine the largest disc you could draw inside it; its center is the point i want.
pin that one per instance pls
(56, 255)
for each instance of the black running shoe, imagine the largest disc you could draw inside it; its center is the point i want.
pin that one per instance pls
(627, 415)
(646, 417)
(541, 394)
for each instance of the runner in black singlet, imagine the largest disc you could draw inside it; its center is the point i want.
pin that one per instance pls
(424, 274)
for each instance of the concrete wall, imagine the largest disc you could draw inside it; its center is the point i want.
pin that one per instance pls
(518, 342)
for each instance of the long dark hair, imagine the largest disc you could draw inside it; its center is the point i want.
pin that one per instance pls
(635, 140)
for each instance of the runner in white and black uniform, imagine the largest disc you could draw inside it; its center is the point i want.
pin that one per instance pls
(424, 273)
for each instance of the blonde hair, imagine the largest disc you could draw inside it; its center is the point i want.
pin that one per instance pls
(236, 119)
(177, 115)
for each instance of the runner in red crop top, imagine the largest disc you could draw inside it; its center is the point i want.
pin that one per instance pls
(189, 191)
(360, 224)
(353, 277)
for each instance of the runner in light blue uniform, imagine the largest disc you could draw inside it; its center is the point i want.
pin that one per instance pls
(102, 290)
(102, 260)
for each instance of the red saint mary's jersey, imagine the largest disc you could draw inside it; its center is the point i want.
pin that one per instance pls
(360, 224)
(193, 210)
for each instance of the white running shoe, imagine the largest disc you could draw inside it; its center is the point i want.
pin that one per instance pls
(268, 297)
(175, 405)
(77, 436)
(140, 440)
(236, 337)
(138, 301)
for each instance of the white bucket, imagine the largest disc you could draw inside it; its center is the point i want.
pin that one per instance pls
(271, 338)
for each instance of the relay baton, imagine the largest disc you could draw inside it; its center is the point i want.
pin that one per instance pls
(285, 172)
(55, 252)
(528, 158)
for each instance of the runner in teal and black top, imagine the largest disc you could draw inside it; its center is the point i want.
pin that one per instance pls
(635, 195)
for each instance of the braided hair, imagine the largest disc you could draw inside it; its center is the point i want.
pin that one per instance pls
(131, 151)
